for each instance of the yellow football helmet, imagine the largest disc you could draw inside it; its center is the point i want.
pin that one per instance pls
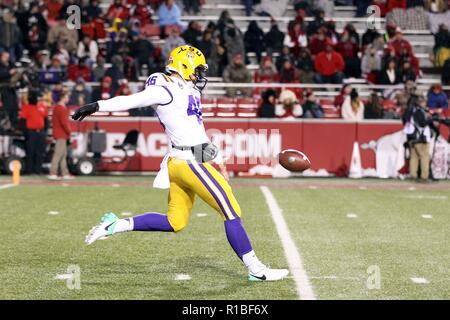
(189, 63)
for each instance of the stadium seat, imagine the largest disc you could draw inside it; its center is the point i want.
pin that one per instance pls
(226, 107)
(329, 110)
(168, 29)
(209, 107)
(389, 104)
(247, 108)
(151, 30)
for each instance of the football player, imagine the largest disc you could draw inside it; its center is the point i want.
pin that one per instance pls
(185, 170)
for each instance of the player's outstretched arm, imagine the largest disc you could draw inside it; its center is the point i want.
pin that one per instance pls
(153, 95)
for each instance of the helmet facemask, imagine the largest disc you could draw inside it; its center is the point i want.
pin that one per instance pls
(199, 77)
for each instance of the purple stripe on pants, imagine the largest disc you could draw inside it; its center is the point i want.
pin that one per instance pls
(224, 194)
(209, 189)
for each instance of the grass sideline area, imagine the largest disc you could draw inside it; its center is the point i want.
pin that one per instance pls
(341, 227)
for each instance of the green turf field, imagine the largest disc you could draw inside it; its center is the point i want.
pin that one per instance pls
(385, 231)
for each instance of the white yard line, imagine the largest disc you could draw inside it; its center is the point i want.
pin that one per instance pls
(201, 215)
(63, 276)
(5, 186)
(304, 289)
(419, 280)
(182, 277)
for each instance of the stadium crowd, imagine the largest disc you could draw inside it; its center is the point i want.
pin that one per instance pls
(116, 45)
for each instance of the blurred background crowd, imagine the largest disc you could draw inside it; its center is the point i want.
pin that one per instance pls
(121, 42)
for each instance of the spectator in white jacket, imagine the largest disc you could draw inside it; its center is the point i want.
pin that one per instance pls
(353, 107)
(87, 48)
(289, 107)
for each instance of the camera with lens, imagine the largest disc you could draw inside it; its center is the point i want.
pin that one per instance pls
(435, 117)
(26, 75)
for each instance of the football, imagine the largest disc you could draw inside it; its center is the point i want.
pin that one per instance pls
(294, 160)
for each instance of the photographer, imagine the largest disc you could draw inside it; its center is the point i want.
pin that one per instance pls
(418, 134)
(8, 79)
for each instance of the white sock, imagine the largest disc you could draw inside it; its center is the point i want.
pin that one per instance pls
(252, 262)
(124, 225)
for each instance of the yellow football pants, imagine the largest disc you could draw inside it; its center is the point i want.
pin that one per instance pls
(189, 178)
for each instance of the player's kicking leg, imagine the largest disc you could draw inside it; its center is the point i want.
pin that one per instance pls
(110, 224)
(215, 191)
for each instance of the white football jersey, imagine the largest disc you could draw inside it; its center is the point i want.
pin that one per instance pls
(182, 116)
(176, 102)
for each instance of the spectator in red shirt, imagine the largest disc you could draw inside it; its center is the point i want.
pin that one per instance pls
(104, 91)
(93, 26)
(267, 72)
(61, 133)
(395, 4)
(53, 9)
(329, 66)
(35, 115)
(289, 73)
(81, 69)
(117, 10)
(401, 45)
(142, 12)
(318, 43)
(349, 48)
(124, 88)
(398, 42)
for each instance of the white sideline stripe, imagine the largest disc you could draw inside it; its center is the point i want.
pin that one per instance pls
(126, 214)
(53, 213)
(6, 186)
(304, 289)
(352, 215)
(421, 196)
(332, 277)
(420, 280)
(324, 277)
(427, 216)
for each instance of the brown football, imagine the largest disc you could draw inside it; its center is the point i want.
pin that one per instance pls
(294, 160)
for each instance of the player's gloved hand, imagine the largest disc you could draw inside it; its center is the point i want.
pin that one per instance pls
(85, 111)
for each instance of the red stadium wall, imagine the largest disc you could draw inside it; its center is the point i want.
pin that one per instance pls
(328, 144)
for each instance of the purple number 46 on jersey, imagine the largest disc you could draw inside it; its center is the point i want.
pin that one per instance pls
(194, 108)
